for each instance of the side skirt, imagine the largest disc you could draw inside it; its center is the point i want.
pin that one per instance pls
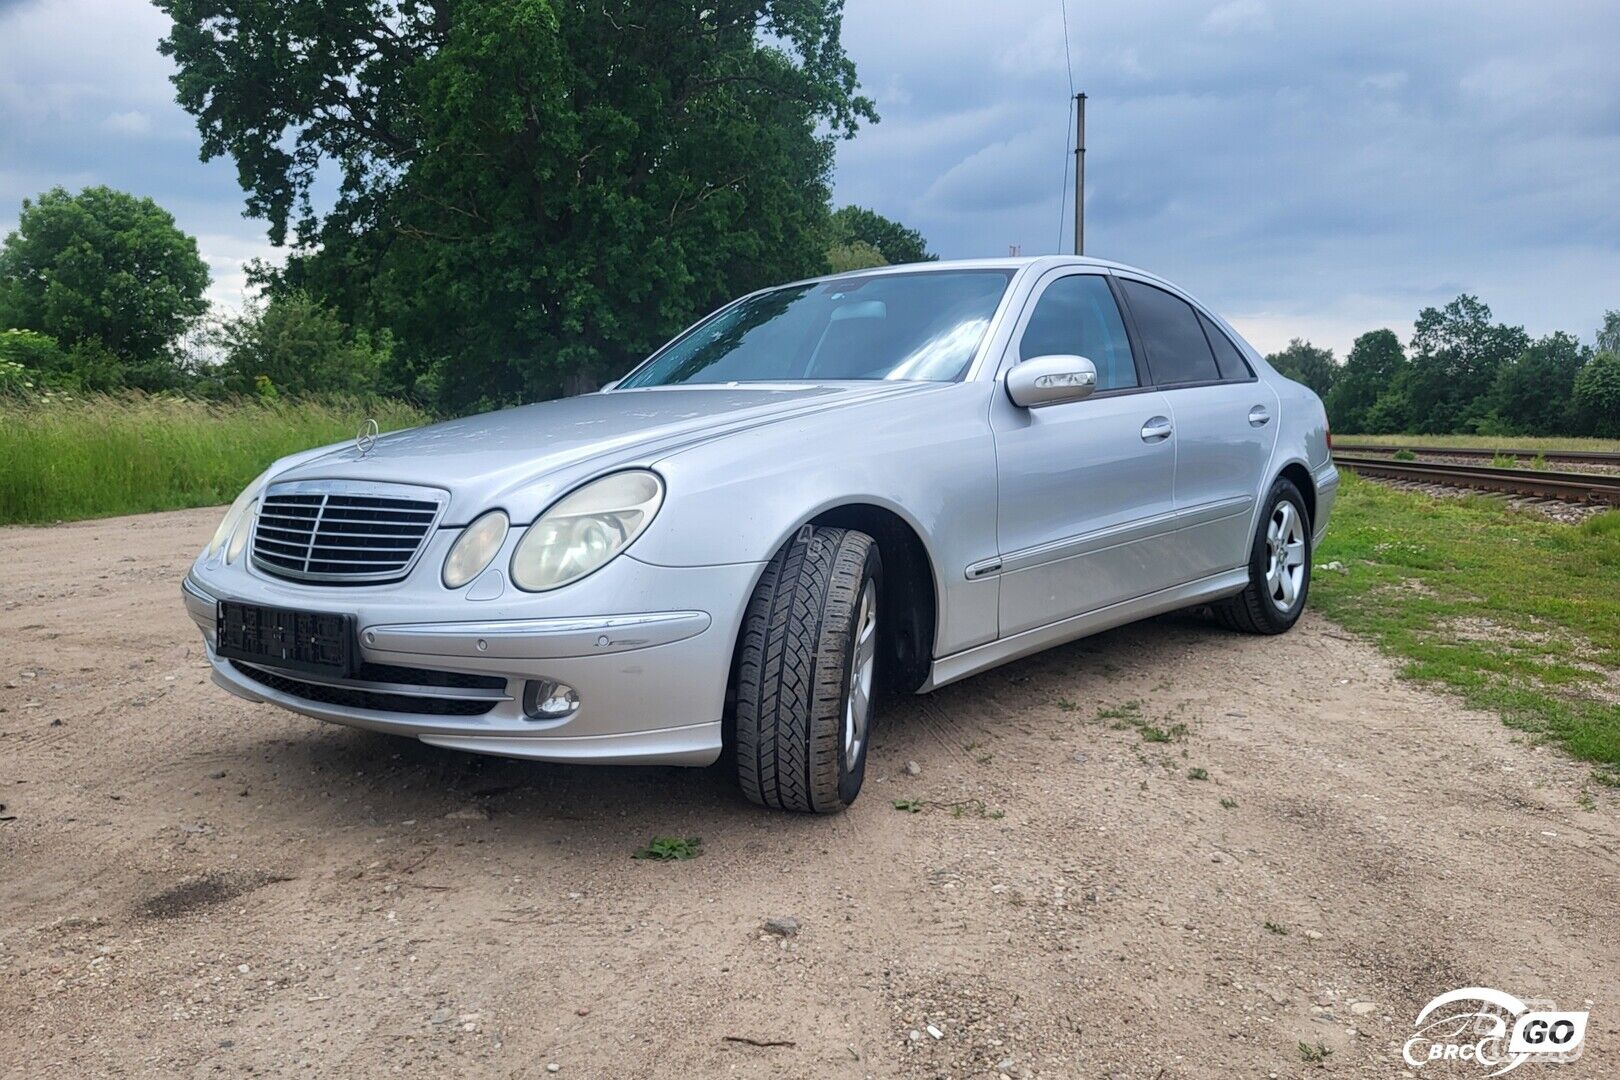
(960, 665)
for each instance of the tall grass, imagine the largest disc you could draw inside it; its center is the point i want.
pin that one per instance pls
(98, 456)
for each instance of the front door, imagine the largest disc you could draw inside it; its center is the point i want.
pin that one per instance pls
(1085, 500)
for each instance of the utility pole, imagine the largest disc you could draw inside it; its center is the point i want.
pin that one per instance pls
(1079, 174)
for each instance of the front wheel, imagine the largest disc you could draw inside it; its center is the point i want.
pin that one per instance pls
(1279, 567)
(805, 673)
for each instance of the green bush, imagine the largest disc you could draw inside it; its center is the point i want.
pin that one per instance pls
(297, 347)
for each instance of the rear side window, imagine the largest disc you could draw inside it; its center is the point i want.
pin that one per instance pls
(1227, 357)
(1177, 351)
(1077, 316)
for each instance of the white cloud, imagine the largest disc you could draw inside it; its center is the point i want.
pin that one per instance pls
(133, 122)
(1239, 17)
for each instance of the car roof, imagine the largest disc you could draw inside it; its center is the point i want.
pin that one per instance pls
(1036, 263)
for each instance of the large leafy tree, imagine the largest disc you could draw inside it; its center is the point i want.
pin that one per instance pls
(1597, 395)
(1376, 360)
(1457, 352)
(102, 266)
(1305, 363)
(530, 193)
(1532, 394)
(857, 227)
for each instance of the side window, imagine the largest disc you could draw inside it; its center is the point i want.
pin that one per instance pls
(1227, 357)
(1077, 316)
(1177, 351)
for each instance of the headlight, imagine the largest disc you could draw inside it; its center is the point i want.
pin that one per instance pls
(586, 529)
(478, 543)
(244, 529)
(234, 515)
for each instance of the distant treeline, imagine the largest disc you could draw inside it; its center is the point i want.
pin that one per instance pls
(1464, 374)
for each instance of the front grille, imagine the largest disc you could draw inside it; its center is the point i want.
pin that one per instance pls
(343, 533)
(360, 697)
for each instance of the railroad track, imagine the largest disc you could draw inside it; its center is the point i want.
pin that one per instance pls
(1573, 457)
(1564, 486)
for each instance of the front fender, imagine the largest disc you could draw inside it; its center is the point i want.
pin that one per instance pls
(927, 457)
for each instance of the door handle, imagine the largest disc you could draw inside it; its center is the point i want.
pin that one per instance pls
(1259, 417)
(1157, 429)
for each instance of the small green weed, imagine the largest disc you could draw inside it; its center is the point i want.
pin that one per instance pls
(671, 849)
(1197, 773)
(1276, 928)
(1314, 1055)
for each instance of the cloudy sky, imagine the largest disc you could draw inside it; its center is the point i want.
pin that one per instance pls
(1309, 169)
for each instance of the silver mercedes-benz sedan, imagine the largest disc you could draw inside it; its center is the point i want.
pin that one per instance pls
(892, 478)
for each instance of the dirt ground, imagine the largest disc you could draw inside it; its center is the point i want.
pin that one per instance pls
(193, 886)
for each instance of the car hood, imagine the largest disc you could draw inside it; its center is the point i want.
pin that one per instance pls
(521, 459)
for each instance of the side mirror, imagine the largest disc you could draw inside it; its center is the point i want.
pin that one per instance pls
(610, 384)
(1051, 380)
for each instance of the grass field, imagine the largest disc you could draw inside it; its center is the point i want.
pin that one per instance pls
(101, 456)
(1516, 613)
(1481, 442)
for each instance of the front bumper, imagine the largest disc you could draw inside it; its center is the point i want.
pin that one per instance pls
(651, 684)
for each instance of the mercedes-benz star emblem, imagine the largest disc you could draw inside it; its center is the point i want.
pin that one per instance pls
(366, 438)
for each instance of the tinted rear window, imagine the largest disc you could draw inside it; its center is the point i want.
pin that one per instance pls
(1177, 351)
(1230, 361)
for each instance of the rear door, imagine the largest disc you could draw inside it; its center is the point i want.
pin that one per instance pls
(1085, 489)
(1224, 426)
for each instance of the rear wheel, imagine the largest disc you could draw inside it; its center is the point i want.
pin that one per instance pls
(1279, 567)
(806, 670)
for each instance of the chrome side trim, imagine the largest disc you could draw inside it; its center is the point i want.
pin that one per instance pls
(984, 568)
(537, 639)
(1115, 535)
(960, 665)
(448, 693)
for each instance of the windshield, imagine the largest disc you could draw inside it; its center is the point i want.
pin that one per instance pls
(922, 326)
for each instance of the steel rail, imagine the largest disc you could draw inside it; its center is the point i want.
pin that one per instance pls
(1564, 486)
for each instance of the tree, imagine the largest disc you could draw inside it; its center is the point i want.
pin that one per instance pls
(102, 266)
(895, 243)
(854, 255)
(1375, 362)
(1532, 394)
(1597, 395)
(531, 194)
(1456, 354)
(1608, 335)
(1305, 363)
(296, 346)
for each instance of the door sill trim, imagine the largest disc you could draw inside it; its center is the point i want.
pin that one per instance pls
(960, 665)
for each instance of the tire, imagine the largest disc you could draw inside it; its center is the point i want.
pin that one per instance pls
(800, 694)
(1271, 603)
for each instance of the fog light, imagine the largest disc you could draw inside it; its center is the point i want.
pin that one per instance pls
(548, 699)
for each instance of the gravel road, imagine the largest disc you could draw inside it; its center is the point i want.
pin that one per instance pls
(193, 886)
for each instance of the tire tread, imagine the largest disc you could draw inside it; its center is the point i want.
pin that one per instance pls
(790, 671)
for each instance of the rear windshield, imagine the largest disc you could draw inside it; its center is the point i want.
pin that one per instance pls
(923, 327)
